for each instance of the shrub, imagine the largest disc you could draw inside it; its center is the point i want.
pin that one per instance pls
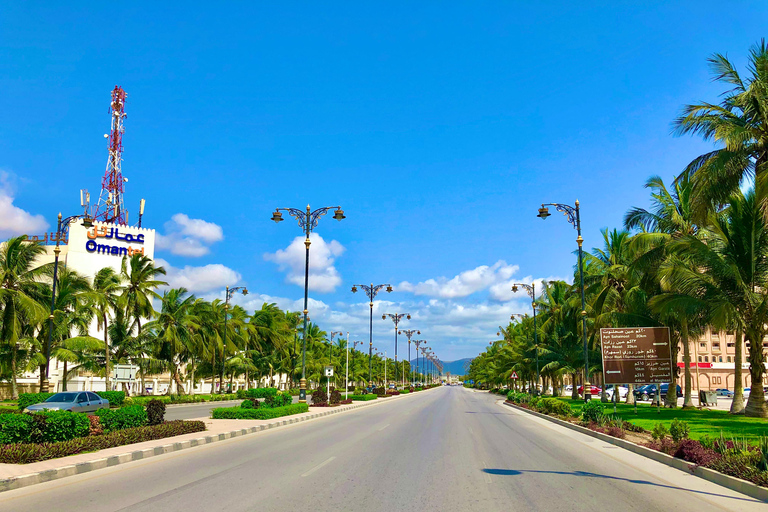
(238, 413)
(294, 391)
(26, 453)
(95, 425)
(116, 398)
(15, 428)
(555, 407)
(679, 430)
(692, 451)
(616, 432)
(335, 397)
(248, 404)
(61, 426)
(380, 391)
(741, 465)
(319, 397)
(405, 391)
(155, 412)
(659, 432)
(363, 398)
(592, 411)
(346, 402)
(125, 417)
(762, 463)
(27, 399)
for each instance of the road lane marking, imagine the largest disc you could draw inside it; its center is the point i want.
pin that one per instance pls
(327, 461)
(385, 426)
(471, 431)
(487, 476)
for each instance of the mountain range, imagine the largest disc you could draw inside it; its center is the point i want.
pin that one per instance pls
(458, 367)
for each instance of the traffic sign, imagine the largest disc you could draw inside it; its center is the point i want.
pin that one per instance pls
(329, 371)
(513, 376)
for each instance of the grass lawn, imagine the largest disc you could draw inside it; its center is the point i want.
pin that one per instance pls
(702, 422)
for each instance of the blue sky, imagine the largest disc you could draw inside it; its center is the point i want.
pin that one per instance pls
(439, 127)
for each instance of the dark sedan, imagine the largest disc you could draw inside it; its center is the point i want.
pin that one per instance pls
(664, 389)
(644, 392)
(75, 401)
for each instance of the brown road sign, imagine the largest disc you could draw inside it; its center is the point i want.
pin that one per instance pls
(636, 355)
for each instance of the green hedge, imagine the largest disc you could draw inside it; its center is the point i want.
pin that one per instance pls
(256, 392)
(27, 399)
(119, 419)
(26, 453)
(238, 413)
(405, 391)
(364, 398)
(179, 399)
(43, 427)
(116, 398)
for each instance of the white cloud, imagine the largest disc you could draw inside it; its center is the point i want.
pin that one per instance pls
(203, 279)
(188, 237)
(13, 220)
(503, 291)
(323, 276)
(464, 284)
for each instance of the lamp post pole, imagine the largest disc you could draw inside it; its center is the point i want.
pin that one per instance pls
(371, 292)
(418, 367)
(396, 317)
(574, 217)
(330, 359)
(61, 225)
(531, 290)
(307, 222)
(354, 344)
(408, 334)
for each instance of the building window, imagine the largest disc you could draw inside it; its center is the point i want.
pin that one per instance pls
(721, 359)
(730, 345)
(730, 333)
(706, 359)
(728, 359)
(716, 346)
(715, 335)
(702, 345)
(699, 358)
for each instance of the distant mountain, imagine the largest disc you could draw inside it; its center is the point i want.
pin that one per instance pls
(460, 367)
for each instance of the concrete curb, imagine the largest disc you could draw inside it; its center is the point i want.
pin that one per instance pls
(733, 483)
(223, 402)
(17, 482)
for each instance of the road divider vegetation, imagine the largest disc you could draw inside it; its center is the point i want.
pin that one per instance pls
(262, 413)
(363, 398)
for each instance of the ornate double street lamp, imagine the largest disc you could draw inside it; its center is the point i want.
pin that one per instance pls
(418, 343)
(409, 333)
(62, 226)
(307, 222)
(574, 217)
(396, 317)
(531, 289)
(371, 291)
(229, 293)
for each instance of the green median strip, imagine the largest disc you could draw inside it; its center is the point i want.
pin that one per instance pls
(239, 413)
(363, 398)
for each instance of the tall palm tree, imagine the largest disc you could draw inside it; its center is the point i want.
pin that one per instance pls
(739, 124)
(141, 278)
(103, 298)
(19, 279)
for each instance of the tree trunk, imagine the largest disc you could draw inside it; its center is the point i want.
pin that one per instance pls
(603, 394)
(179, 384)
(192, 385)
(737, 406)
(756, 403)
(575, 391)
(671, 399)
(42, 377)
(64, 378)
(231, 380)
(630, 394)
(106, 352)
(687, 400)
(14, 387)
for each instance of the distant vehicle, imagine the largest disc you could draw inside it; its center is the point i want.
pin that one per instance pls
(75, 401)
(664, 388)
(724, 392)
(748, 390)
(569, 388)
(644, 392)
(623, 390)
(594, 390)
(392, 386)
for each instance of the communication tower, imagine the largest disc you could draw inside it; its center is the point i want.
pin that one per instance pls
(110, 207)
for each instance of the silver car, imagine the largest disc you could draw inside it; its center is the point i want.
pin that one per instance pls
(75, 401)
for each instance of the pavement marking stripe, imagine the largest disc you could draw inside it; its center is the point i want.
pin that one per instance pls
(385, 426)
(327, 461)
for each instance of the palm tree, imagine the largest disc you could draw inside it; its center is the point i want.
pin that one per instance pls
(728, 273)
(103, 298)
(19, 279)
(739, 124)
(141, 279)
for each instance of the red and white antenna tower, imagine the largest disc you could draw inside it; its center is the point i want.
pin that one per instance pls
(111, 208)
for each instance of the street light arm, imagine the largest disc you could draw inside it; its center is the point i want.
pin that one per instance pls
(305, 218)
(567, 210)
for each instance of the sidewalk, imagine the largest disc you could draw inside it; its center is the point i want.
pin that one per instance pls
(14, 476)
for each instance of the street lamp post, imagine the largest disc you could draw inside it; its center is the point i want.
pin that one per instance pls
(418, 367)
(62, 225)
(396, 317)
(229, 293)
(330, 359)
(574, 217)
(409, 333)
(307, 222)
(371, 292)
(531, 289)
(354, 344)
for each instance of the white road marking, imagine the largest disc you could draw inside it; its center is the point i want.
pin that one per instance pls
(385, 426)
(487, 476)
(471, 431)
(318, 466)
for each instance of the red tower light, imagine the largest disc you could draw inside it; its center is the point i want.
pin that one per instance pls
(110, 207)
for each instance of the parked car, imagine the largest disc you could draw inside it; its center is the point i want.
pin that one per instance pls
(748, 390)
(664, 388)
(724, 392)
(623, 390)
(644, 392)
(595, 391)
(75, 401)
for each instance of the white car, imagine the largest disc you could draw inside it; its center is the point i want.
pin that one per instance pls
(623, 390)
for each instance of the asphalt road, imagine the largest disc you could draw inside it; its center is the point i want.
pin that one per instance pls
(449, 449)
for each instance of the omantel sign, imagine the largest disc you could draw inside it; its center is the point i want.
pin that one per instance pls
(97, 235)
(636, 355)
